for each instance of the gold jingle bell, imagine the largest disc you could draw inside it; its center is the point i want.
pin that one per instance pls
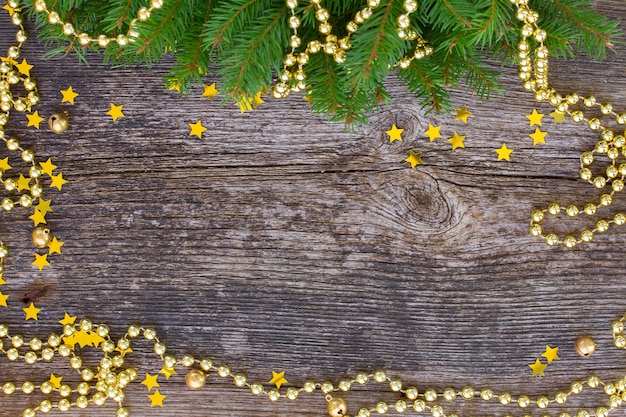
(337, 407)
(585, 346)
(195, 379)
(58, 122)
(41, 236)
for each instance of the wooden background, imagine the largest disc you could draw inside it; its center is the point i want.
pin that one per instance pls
(279, 241)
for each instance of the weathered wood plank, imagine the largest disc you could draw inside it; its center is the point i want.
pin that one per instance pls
(281, 242)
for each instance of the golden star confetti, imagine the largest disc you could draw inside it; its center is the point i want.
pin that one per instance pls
(31, 312)
(210, 91)
(9, 9)
(67, 319)
(3, 299)
(415, 159)
(57, 181)
(462, 114)
(551, 354)
(41, 261)
(278, 378)
(37, 217)
(504, 153)
(168, 372)
(116, 111)
(257, 101)
(23, 183)
(48, 167)
(535, 118)
(55, 246)
(394, 133)
(55, 381)
(2, 282)
(558, 116)
(24, 68)
(157, 399)
(457, 141)
(197, 129)
(68, 95)
(538, 136)
(174, 86)
(34, 119)
(4, 164)
(433, 132)
(244, 104)
(151, 381)
(44, 206)
(537, 367)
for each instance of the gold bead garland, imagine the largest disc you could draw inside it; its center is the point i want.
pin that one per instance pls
(102, 40)
(533, 71)
(110, 378)
(10, 77)
(291, 79)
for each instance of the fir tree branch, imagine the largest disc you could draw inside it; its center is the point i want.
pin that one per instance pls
(227, 26)
(147, 42)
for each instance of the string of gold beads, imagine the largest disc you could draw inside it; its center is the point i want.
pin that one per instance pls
(102, 40)
(109, 379)
(533, 71)
(293, 76)
(10, 78)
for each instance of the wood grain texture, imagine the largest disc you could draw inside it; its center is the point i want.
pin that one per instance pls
(281, 242)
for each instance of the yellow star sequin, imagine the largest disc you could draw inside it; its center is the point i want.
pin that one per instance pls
(538, 136)
(551, 354)
(535, 118)
(34, 119)
(151, 381)
(116, 111)
(210, 91)
(394, 133)
(31, 312)
(67, 319)
(157, 399)
(24, 68)
(245, 104)
(462, 114)
(44, 206)
(57, 181)
(23, 183)
(48, 167)
(37, 217)
(415, 159)
(168, 372)
(55, 246)
(55, 381)
(558, 116)
(257, 101)
(123, 352)
(4, 164)
(537, 367)
(433, 132)
(174, 86)
(68, 95)
(3, 299)
(278, 378)
(10, 9)
(504, 153)
(197, 129)
(457, 141)
(2, 282)
(41, 261)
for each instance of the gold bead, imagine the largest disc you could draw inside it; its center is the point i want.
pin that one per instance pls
(4, 251)
(58, 122)
(256, 389)
(292, 393)
(437, 411)
(569, 241)
(419, 406)
(309, 386)
(430, 395)
(395, 385)
(41, 236)
(240, 379)
(523, 401)
(586, 158)
(327, 387)
(411, 393)
(599, 182)
(400, 406)
(467, 393)
(602, 226)
(619, 342)
(606, 200)
(560, 397)
(344, 385)
(542, 401)
(337, 407)
(552, 239)
(273, 395)
(572, 210)
(585, 346)
(536, 230)
(554, 208)
(449, 394)
(195, 379)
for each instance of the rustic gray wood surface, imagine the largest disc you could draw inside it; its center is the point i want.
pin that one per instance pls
(281, 242)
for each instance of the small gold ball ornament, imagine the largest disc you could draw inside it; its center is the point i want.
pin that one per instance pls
(59, 122)
(195, 379)
(337, 407)
(585, 346)
(41, 236)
